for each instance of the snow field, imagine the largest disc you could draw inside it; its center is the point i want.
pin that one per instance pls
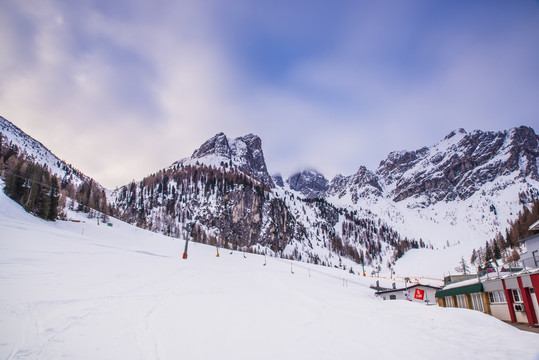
(83, 291)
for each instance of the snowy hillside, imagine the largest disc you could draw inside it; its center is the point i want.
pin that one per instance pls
(442, 200)
(37, 152)
(83, 291)
(462, 190)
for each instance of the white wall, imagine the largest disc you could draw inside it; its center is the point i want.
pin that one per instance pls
(401, 295)
(500, 311)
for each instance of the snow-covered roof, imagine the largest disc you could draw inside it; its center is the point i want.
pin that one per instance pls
(407, 288)
(462, 283)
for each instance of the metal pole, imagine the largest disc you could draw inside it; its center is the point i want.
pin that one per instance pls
(185, 250)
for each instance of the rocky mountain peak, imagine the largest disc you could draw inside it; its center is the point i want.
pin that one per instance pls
(217, 145)
(362, 184)
(247, 153)
(455, 132)
(278, 180)
(244, 152)
(457, 166)
(310, 183)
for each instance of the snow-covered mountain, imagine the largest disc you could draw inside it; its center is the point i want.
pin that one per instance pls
(464, 188)
(223, 195)
(244, 152)
(310, 183)
(35, 151)
(456, 193)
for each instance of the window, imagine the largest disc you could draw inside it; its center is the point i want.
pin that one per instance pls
(496, 296)
(449, 301)
(516, 295)
(477, 302)
(461, 301)
(392, 297)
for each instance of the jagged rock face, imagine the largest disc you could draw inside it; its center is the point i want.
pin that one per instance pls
(282, 227)
(217, 145)
(245, 152)
(278, 180)
(309, 183)
(460, 164)
(200, 202)
(362, 184)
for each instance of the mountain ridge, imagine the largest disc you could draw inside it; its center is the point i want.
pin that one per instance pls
(461, 190)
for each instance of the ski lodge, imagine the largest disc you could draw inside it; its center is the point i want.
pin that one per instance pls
(424, 294)
(508, 296)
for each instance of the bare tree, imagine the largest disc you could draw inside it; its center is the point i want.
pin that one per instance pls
(463, 266)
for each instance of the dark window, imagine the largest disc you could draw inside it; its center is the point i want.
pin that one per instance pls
(392, 297)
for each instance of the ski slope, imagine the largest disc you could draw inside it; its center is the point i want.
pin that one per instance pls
(87, 291)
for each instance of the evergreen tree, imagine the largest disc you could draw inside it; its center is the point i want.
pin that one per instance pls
(497, 254)
(11, 181)
(54, 199)
(508, 239)
(488, 252)
(45, 197)
(32, 202)
(473, 258)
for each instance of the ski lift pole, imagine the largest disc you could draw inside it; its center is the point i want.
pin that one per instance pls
(190, 228)
(185, 250)
(217, 247)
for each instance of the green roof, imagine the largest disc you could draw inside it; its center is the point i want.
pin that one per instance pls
(467, 289)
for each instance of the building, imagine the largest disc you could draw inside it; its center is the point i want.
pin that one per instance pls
(424, 294)
(509, 297)
(467, 294)
(530, 256)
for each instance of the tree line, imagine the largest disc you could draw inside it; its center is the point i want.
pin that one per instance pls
(29, 184)
(41, 192)
(505, 246)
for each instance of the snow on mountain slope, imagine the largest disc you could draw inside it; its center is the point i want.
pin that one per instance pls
(244, 152)
(40, 154)
(79, 290)
(462, 190)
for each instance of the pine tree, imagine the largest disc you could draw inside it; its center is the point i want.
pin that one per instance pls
(54, 199)
(473, 258)
(45, 198)
(12, 181)
(488, 252)
(497, 254)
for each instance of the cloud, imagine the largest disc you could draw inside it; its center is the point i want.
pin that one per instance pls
(118, 98)
(122, 89)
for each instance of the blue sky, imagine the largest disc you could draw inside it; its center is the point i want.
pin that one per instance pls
(121, 89)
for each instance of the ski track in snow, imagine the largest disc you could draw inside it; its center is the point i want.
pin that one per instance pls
(83, 291)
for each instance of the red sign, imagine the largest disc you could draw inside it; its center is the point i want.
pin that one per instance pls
(419, 294)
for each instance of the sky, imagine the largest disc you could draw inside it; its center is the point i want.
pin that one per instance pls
(121, 89)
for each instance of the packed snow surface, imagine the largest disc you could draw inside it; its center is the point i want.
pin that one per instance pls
(89, 291)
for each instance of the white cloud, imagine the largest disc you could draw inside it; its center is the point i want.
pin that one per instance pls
(123, 92)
